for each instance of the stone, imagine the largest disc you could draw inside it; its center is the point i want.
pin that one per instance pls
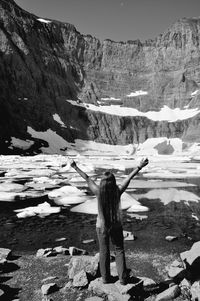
(76, 251)
(61, 250)
(110, 290)
(4, 253)
(1, 293)
(49, 288)
(95, 298)
(46, 252)
(170, 238)
(88, 241)
(174, 272)
(169, 294)
(148, 283)
(191, 255)
(195, 291)
(191, 261)
(60, 239)
(49, 278)
(128, 235)
(80, 279)
(89, 264)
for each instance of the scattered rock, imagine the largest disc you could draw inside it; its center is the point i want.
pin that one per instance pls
(169, 294)
(49, 288)
(80, 279)
(195, 291)
(46, 252)
(171, 238)
(128, 235)
(148, 283)
(76, 251)
(114, 291)
(89, 264)
(61, 250)
(175, 272)
(94, 299)
(191, 261)
(60, 239)
(88, 241)
(5, 253)
(49, 278)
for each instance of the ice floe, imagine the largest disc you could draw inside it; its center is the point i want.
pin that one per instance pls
(167, 196)
(127, 201)
(41, 210)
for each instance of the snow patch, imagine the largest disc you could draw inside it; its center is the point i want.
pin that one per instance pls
(44, 20)
(57, 118)
(137, 93)
(22, 144)
(165, 114)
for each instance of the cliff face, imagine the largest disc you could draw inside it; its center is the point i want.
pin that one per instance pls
(44, 62)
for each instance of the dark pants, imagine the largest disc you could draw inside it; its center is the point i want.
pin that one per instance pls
(116, 235)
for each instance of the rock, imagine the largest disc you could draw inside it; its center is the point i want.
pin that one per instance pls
(4, 253)
(1, 293)
(46, 252)
(49, 278)
(191, 260)
(101, 61)
(94, 299)
(60, 239)
(80, 279)
(176, 272)
(170, 238)
(128, 235)
(76, 251)
(49, 288)
(113, 291)
(113, 269)
(195, 291)
(169, 294)
(88, 241)
(148, 283)
(89, 264)
(61, 250)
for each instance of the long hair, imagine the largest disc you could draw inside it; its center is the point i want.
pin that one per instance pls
(108, 200)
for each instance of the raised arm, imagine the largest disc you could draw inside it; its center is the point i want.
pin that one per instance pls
(91, 184)
(126, 182)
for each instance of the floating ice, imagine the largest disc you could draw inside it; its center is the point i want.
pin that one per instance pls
(169, 195)
(157, 184)
(11, 187)
(41, 210)
(7, 196)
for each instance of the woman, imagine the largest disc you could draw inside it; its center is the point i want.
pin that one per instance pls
(109, 220)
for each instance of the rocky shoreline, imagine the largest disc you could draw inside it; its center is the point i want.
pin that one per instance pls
(60, 274)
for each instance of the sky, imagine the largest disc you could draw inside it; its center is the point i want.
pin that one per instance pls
(118, 20)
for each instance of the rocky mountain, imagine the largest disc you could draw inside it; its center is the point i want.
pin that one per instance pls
(55, 80)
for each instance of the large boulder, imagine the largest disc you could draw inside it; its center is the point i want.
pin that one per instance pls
(115, 291)
(169, 294)
(88, 264)
(191, 260)
(4, 253)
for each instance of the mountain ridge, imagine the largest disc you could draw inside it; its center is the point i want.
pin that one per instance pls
(45, 62)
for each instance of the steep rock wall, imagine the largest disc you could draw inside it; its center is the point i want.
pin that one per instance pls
(43, 63)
